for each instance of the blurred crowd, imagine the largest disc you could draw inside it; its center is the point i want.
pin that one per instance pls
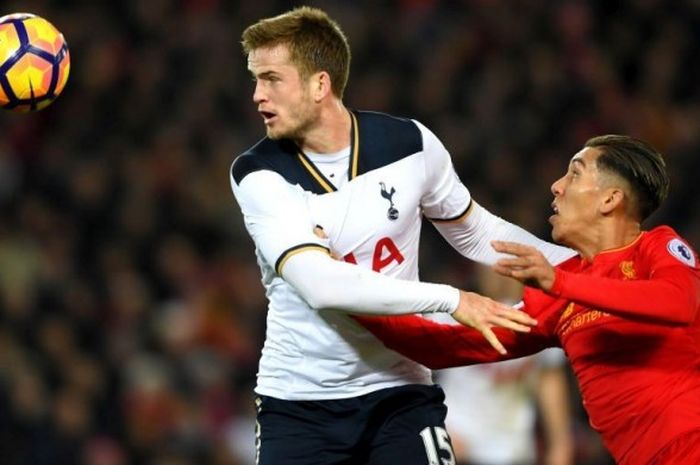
(131, 311)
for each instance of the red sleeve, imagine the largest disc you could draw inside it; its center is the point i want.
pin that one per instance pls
(671, 293)
(437, 345)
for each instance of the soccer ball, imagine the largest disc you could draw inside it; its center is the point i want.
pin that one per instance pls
(34, 62)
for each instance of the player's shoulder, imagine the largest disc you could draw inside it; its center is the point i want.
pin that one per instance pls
(380, 125)
(385, 139)
(659, 235)
(665, 238)
(266, 154)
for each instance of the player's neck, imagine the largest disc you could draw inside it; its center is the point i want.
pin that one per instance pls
(614, 233)
(332, 133)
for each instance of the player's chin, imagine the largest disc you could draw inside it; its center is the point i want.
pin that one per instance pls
(277, 133)
(558, 235)
(274, 135)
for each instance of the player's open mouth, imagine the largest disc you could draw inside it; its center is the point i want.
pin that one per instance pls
(555, 209)
(267, 116)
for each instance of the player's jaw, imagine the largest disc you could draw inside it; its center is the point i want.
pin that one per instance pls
(288, 122)
(568, 215)
(574, 214)
(579, 205)
(273, 123)
(556, 222)
(557, 190)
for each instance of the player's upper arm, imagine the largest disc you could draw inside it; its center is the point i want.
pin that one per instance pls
(445, 198)
(667, 289)
(666, 249)
(276, 216)
(672, 259)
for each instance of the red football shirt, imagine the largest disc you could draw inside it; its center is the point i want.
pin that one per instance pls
(629, 323)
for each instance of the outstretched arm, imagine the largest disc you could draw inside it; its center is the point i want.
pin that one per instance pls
(278, 219)
(471, 236)
(354, 289)
(276, 216)
(438, 345)
(467, 226)
(670, 295)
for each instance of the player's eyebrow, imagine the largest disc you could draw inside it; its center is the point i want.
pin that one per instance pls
(264, 74)
(578, 161)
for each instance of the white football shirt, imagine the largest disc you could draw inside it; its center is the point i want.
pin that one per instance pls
(398, 171)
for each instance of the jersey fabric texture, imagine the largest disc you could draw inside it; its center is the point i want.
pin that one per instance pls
(398, 172)
(628, 321)
(682, 451)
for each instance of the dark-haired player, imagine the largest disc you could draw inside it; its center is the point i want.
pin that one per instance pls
(625, 310)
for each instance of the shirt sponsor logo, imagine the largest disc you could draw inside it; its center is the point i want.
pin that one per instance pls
(681, 252)
(584, 318)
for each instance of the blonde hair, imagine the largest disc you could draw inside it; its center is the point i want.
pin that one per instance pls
(316, 43)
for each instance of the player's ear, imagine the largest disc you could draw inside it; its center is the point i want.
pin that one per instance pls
(613, 197)
(320, 85)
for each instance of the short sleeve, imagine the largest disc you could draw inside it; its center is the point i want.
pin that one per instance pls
(445, 198)
(276, 216)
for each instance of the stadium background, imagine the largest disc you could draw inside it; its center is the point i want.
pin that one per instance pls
(131, 313)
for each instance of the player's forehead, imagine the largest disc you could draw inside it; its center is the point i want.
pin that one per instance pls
(272, 58)
(585, 158)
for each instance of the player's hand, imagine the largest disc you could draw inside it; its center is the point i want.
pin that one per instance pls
(528, 265)
(482, 314)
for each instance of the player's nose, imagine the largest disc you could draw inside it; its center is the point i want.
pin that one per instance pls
(259, 93)
(557, 186)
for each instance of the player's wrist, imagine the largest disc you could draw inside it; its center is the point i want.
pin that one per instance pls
(557, 287)
(454, 299)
